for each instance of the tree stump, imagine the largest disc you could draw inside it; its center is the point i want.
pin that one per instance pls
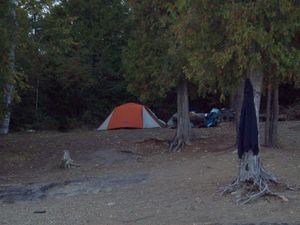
(67, 162)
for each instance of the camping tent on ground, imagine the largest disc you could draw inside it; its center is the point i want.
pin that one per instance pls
(131, 115)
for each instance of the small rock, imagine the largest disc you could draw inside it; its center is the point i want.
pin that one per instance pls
(284, 198)
(198, 200)
(111, 203)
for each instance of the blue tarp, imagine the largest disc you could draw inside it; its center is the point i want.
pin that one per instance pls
(211, 119)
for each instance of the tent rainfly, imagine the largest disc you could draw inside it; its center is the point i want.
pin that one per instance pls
(131, 115)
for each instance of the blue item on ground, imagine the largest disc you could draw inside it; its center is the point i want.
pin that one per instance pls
(212, 118)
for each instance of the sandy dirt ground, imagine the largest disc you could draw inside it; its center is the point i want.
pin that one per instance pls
(127, 177)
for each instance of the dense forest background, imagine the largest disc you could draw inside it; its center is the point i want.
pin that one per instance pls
(71, 64)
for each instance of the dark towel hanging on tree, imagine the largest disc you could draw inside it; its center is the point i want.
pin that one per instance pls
(248, 132)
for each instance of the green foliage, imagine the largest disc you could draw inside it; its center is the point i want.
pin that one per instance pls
(71, 54)
(153, 58)
(227, 39)
(29, 61)
(86, 54)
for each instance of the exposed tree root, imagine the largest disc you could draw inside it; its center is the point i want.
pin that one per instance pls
(248, 191)
(178, 144)
(253, 182)
(67, 162)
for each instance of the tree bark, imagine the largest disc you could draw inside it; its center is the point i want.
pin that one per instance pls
(268, 116)
(238, 105)
(184, 131)
(37, 95)
(271, 125)
(4, 128)
(256, 78)
(8, 92)
(275, 112)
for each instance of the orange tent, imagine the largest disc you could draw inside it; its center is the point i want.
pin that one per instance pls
(131, 115)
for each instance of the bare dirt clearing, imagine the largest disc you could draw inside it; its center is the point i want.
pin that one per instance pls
(125, 177)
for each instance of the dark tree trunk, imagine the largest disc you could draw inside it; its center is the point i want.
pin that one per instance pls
(184, 131)
(37, 95)
(274, 122)
(268, 116)
(238, 105)
(271, 125)
(8, 92)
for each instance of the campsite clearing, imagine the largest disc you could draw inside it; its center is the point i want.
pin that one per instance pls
(126, 177)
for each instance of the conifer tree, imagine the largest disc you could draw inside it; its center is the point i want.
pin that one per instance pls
(154, 60)
(234, 40)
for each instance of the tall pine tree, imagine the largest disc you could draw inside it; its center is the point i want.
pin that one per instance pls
(154, 60)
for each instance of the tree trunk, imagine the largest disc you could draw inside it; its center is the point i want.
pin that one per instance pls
(251, 171)
(4, 128)
(8, 92)
(256, 78)
(271, 126)
(274, 121)
(37, 95)
(268, 116)
(184, 131)
(238, 105)
(249, 160)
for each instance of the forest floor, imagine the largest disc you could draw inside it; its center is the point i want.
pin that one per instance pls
(127, 177)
